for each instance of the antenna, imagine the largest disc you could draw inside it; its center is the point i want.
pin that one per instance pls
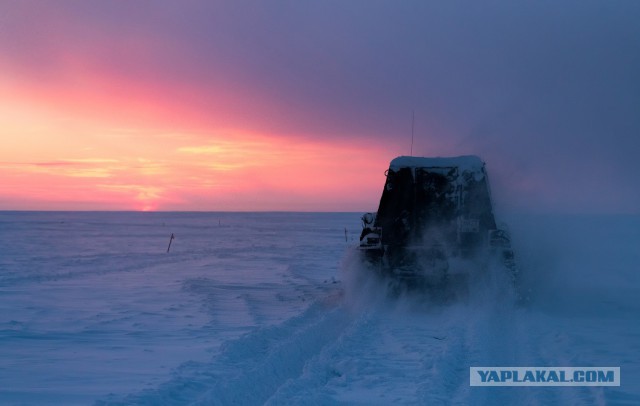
(413, 119)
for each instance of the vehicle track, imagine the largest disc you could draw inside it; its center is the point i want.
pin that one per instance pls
(364, 346)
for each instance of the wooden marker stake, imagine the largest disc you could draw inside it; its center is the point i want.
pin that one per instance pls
(170, 240)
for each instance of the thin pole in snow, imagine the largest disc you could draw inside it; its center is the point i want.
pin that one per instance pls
(170, 240)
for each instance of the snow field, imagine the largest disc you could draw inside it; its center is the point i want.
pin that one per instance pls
(275, 308)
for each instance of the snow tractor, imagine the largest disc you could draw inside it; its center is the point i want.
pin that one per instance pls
(435, 223)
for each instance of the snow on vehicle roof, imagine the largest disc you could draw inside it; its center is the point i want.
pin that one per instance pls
(463, 163)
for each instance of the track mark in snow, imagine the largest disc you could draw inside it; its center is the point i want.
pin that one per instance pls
(250, 369)
(385, 355)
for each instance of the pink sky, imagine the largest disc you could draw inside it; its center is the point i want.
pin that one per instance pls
(301, 106)
(91, 121)
(107, 144)
(65, 151)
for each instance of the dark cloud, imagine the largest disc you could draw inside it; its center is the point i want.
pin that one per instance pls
(546, 91)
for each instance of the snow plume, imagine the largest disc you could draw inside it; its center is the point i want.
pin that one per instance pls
(569, 261)
(362, 286)
(486, 285)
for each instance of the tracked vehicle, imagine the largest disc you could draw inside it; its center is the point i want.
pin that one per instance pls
(435, 224)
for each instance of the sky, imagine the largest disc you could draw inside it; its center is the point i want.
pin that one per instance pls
(300, 105)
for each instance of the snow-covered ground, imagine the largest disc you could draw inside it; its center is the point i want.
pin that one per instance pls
(274, 308)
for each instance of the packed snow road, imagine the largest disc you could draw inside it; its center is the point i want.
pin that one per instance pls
(276, 309)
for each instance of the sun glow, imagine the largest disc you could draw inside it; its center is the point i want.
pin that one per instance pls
(51, 160)
(70, 148)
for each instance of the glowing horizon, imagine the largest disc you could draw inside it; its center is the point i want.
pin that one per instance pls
(53, 161)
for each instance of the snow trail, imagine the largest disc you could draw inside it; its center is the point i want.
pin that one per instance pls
(250, 369)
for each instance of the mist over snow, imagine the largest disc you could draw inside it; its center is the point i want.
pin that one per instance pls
(275, 308)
